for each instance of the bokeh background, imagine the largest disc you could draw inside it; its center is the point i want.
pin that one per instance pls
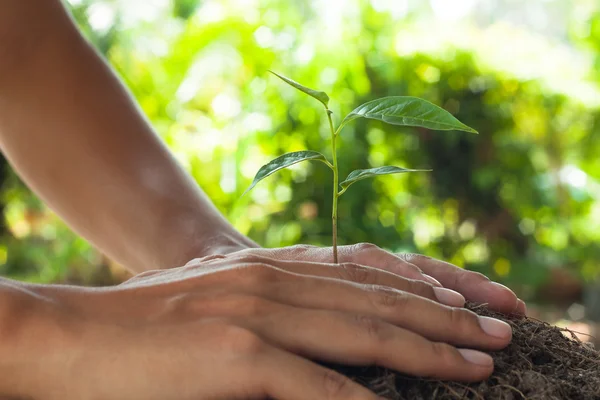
(520, 202)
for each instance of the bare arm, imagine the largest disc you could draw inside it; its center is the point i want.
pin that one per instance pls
(71, 130)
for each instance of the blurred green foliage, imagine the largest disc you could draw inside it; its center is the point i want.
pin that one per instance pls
(514, 202)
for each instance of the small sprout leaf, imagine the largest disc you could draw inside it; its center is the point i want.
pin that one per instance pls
(285, 161)
(408, 111)
(361, 174)
(321, 96)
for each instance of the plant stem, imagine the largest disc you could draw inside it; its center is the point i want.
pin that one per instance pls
(335, 187)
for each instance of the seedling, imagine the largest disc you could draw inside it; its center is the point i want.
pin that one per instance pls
(395, 110)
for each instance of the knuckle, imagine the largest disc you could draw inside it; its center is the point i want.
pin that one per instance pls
(259, 274)
(412, 258)
(443, 353)
(365, 247)
(407, 268)
(335, 385)
(371, 326)
(238, 340)
(303, 247)
(421, 288)
(355, 273)
(462, 318)
(385, 298)
(412, 267)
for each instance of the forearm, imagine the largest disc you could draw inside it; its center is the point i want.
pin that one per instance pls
(33, 337)
(74, 134)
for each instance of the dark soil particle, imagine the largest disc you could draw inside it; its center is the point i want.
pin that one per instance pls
(541, 363)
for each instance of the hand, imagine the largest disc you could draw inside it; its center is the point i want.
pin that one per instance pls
(247, 327)
(473, 286)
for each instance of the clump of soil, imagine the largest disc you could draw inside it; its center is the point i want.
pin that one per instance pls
(541, 363)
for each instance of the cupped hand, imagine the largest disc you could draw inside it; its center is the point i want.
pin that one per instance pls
(473, 286)
(249, 327)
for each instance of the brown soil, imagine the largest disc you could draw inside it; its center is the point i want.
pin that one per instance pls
(541, 363)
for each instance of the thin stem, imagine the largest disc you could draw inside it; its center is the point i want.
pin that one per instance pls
(338, 130)
(335, 187)
(327, 163)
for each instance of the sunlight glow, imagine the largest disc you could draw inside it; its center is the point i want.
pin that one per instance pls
(503, 47)
(397, 8)
(101, 16)
(264, 36)
(211, 11)
(452, 10)
(226, 106)
(573, 176)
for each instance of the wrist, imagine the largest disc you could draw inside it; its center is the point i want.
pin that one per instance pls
(195, 233)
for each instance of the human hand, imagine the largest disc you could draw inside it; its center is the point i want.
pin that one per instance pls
(247, 327)
(473, 286)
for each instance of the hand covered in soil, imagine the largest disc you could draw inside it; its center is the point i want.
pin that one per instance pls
(248, 326)
(473, 286)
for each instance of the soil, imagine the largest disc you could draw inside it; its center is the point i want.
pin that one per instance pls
(541, 363)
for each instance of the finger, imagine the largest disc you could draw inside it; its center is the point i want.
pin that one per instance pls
(474, 286)
(283, 375)
(363, 253)
(365, 340)
(521, 307)
(428, 318)
(357, 274)
(373, 256)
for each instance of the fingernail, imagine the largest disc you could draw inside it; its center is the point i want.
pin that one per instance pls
(449, 297)
(476, 357)
(432, 280)
(495, 327)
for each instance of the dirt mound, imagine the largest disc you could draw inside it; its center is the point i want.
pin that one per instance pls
(541, 363)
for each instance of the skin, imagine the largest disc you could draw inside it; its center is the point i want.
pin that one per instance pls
(74, 134)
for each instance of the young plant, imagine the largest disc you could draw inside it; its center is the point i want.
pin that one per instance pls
(395, 110)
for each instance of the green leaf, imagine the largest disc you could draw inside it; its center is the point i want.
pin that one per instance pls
(285, 161)
(408, 111)
(361, 174)
(321, 96)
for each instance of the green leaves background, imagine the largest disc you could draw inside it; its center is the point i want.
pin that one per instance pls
(492, 202)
